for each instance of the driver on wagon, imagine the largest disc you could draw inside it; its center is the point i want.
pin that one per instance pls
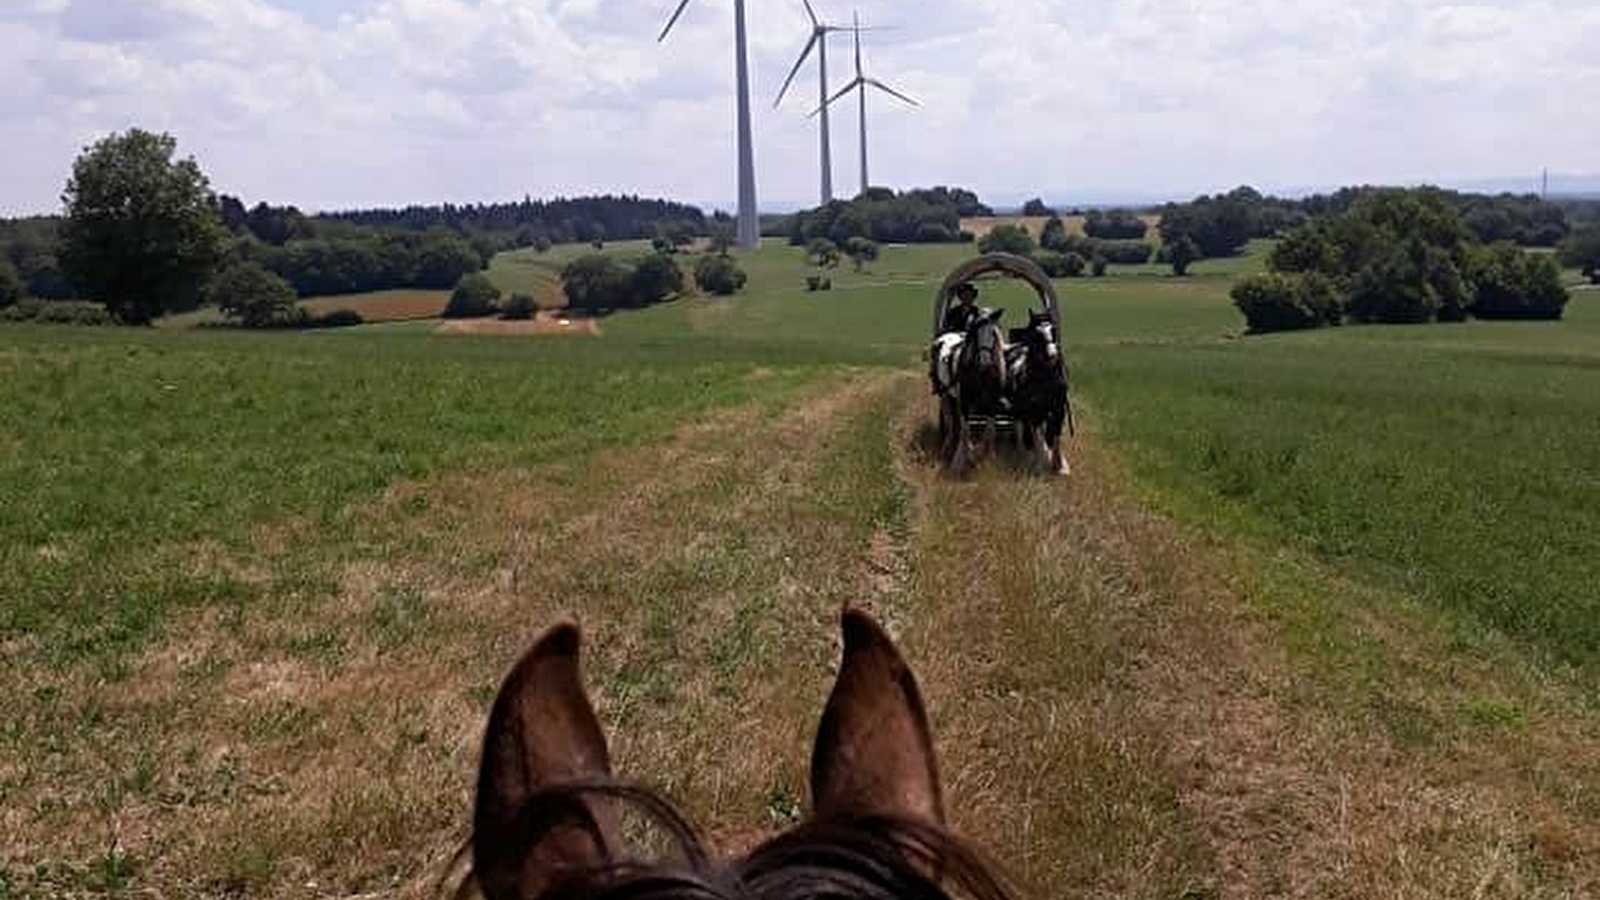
(958, 317)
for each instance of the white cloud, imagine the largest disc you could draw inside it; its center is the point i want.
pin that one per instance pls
(338, 102)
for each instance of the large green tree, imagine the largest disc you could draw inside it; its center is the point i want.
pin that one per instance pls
(141, 233)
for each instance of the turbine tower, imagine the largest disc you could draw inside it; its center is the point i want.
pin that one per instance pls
(749, 234)
(860, 84)
(819, 42)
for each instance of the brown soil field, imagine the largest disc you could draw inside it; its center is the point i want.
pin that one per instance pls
(385, 306)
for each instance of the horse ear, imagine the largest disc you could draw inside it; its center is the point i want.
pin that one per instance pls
(542, 734)
(874, 751)
(996, 315)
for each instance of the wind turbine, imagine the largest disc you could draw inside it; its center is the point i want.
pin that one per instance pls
(749, 234)
(861, 83)
(819, 42)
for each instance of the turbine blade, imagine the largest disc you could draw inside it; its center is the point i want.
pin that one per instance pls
(842, 91)
(672, 21)
(891, 91)
(804, 55)
(816, 22)
(858, 45)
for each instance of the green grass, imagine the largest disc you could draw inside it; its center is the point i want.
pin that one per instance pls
(119, 442)
(1456, 463)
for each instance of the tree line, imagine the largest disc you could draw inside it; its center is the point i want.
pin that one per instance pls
(142, 234)
(531, 222)
(1398, 256)
(921, 216)
(1221, 225)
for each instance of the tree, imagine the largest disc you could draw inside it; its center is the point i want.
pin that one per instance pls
(1114, 225)
(251, 295)
(861, 251)
(141, 234)
(823, 253)
(1581, 251)
(656, 278)
(1037, 208)
(1287, 302)
(597, 282)
(1054, 236)
(1510, 283)
(1007, 239)
(723, 238)
(719, 275)
(10, 285)
(1181, 254)
(475, 297)
(519, 308)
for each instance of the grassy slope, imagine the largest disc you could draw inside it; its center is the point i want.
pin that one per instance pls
(300, 622)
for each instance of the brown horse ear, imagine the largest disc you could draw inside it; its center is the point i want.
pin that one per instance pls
(874, 751)
(542, 734)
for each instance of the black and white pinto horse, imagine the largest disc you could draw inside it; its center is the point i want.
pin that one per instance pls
(980, 373)
(970, 377)
(1038, 391)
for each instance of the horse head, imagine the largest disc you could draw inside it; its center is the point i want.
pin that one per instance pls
(547, 820)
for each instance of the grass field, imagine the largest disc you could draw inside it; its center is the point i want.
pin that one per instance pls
(1315, 616)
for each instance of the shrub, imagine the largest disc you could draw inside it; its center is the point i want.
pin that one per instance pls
(1097, 266)
(475, 297)
(251, 295)
(719, 275)
(1123, 253)
(1037, 208)
(655, 278)
(1061, 265)
(1054, 235)
(935, 233)
(1181, 254)
(520, 307)
(1286, 302)
(597, 282)
(58, 312)
(861, 251)
(1007, 239)
(1513, 284)
(823, 253)
(339, 318)
(1114, 225)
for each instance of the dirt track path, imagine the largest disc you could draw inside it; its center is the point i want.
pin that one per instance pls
(1120, 720)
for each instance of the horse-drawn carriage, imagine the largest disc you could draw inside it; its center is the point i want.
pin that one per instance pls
(997, 381)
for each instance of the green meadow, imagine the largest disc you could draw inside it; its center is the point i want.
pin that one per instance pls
(227, 560)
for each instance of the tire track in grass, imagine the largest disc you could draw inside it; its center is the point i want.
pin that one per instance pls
(1127, 710)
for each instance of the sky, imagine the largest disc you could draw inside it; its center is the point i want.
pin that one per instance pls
(338, 103)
